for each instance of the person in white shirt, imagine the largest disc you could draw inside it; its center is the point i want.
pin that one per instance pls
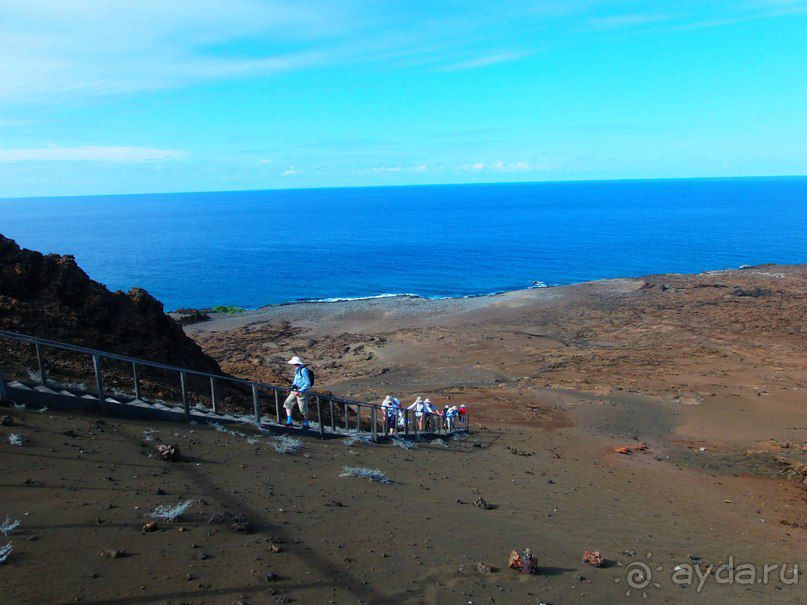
(391, 407)
(451, 416)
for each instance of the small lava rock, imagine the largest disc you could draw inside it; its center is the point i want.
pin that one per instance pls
(482, 503)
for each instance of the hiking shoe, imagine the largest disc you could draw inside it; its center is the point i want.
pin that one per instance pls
(289, 422)
(306, 425)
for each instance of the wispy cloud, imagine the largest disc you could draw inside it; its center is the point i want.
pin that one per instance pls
(292, 171)
(51, 50)
(630, 20)
(116, 154)
(500, 166)
(487, 60)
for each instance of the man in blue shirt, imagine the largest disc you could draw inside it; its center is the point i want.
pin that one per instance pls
(299, 391)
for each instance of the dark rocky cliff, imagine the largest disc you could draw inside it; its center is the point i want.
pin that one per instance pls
(51, 297)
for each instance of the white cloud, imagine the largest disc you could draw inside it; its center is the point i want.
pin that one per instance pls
(503, 167)
(417, 168)
(292, 171)
(266, 161)
(116, 154)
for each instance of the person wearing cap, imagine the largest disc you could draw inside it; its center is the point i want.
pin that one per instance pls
(299, 391)
(428, 411)
(422, 409)
(451, 415)
(417, 408)
(391, 407)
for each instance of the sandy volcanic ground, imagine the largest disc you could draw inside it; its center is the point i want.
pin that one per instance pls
(709, 371)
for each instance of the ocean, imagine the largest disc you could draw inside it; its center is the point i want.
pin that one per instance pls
(255, 248)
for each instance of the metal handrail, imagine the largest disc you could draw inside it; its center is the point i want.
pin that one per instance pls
(161, 366)
(376, 411)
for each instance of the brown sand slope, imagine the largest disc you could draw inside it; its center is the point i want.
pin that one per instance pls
(346, 540)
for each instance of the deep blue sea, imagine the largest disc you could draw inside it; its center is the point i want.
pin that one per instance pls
(254, 248)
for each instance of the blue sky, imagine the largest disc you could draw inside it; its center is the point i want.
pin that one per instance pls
(115, 96)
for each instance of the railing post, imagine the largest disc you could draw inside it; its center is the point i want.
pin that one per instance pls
(319, 418)
(374, 422)
(213, 400)
(358, 418)
(186, 402)
(277, 405)
(2, 386)
(333, 418)
(99, 380)
(40, 357)
(256, 404)
(136, 376)
(347, 416)
(406, 422)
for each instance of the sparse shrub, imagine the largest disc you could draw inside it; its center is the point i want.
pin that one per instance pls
(9, 526)
(5, 551)
(222, 429)
(287, 445)
(403, 443)
(170, 513)
(15, 439)
(354, 439)
(373, 475)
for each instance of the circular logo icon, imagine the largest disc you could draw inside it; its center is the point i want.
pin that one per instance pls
(638, 575)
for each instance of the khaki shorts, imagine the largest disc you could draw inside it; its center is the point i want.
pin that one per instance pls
(302, 402)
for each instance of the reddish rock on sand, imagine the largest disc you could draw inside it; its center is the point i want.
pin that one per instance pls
(639, 447)
(523, 561)
(593, 558)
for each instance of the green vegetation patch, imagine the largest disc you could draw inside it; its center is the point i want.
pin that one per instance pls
(229, 310)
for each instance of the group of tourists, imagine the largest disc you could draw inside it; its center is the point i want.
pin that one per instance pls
(425, 415)
(421, 415)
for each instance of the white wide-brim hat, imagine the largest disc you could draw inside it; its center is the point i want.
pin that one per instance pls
(295, 361)
(427, 401)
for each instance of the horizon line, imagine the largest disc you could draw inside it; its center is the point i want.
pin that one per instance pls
(414, 185)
